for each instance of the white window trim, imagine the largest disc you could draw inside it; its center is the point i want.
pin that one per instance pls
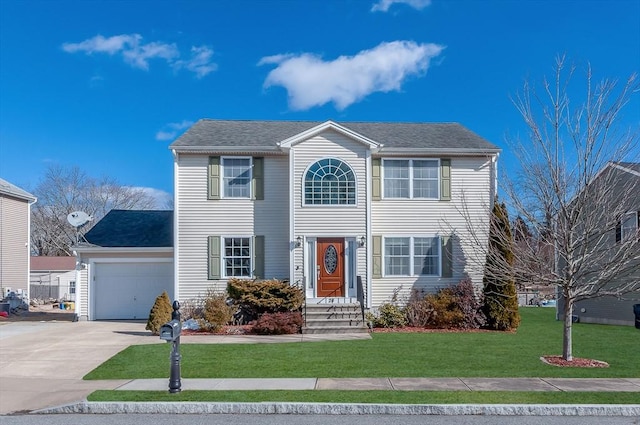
(630, 231)
(222, 177)
(223, 264)
(303, 187)
(411, 255)
(411, 178)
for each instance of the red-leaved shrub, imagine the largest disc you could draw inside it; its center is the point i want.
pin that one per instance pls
(278, 323)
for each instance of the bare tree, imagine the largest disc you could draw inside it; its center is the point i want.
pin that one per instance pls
(64, 190)
(572, 191)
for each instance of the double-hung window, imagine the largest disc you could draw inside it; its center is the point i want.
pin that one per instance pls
(411, 178)
(412, 256)
(236, 177)
(237, 257)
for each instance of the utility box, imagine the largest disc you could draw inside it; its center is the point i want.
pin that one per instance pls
(170, 331)
(636, 312)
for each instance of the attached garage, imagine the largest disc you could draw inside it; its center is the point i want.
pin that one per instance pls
(126, 262)
(127, 290)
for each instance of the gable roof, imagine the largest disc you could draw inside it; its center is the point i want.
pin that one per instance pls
(133, 228)
(42, 263)
(229, 135)
(12, 190)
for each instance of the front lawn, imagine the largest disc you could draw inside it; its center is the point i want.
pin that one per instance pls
(493, 354)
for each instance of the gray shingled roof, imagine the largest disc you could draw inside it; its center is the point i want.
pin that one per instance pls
(9, 189)
(264, 135)
(133, 229)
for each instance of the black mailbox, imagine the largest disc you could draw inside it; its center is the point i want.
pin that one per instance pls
(170, 331)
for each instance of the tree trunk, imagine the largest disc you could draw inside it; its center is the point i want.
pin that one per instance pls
(567, 353)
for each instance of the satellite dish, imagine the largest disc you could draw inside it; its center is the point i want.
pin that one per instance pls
(78, 218)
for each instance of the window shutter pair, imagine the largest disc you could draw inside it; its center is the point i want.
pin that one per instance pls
(213, 178)
(215, 255)
(446, 257)
(376, 179)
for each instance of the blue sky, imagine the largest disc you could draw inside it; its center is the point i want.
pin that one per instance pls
(108, 85)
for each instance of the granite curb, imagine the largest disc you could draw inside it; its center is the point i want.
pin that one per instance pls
(266, 408)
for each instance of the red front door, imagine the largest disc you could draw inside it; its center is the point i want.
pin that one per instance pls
(330, 264)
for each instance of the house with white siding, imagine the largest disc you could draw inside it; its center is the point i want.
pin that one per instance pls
(325, 205)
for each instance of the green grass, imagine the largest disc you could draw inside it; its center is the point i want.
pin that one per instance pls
(493, 354)
(385, 397)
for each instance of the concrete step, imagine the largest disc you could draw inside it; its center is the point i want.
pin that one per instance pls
(323, 323)
(333, 318)
(335, 330)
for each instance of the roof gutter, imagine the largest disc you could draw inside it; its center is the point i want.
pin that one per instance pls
(122, 250)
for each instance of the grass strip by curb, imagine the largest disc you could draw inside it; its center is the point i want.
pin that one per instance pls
(374, 397)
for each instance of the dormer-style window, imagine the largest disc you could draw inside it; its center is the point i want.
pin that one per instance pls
(329, 181)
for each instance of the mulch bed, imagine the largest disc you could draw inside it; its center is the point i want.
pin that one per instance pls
(409, 329)
(576, 362)
(226, 330)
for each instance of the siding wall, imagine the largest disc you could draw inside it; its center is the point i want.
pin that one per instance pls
(199, 217)
(14, 244)
(317, 220)
(471, 181)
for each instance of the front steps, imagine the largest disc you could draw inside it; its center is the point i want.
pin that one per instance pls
(333, 319)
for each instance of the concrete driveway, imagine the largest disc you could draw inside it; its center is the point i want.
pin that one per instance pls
(42, 363)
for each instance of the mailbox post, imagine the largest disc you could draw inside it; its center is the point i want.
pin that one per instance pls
(170, 332)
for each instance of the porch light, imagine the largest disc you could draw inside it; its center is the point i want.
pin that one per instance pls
(298, 241)
(362, 241)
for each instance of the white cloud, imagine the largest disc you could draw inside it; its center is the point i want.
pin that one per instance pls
(384, 5)
(200, 62)
(170, 131)
(138, 54)
(310, 81)
(162, 199)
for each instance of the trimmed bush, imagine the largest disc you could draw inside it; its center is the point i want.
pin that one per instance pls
(256, 297)
(445, 311)
(469, 305)
(418, 312)
(160, 313)
(216, 312)
(452, 307)
(278, 323)
(388, 315)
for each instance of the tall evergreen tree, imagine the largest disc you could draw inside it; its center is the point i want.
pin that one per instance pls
(500, 295)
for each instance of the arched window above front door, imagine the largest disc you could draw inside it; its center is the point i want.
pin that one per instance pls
(330, 181)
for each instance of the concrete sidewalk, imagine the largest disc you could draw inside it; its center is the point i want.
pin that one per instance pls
(390, 384)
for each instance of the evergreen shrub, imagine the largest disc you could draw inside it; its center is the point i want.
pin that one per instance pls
(256, 297)
(160, 313)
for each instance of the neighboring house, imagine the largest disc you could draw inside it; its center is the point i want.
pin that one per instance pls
(53, 277)
(623, 178)
(126, 264)
(15, 228)
(321, 204)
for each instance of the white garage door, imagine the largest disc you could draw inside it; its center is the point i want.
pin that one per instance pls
(128, 290)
